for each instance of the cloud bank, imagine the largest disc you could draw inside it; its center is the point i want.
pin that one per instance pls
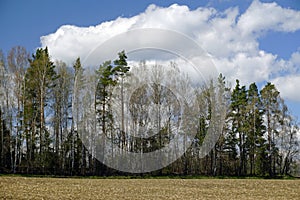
(231, 39)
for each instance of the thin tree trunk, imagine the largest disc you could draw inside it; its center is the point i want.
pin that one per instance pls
(2, 140)
(122, 113)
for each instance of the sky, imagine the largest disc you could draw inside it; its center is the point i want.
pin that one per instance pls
(251, 40)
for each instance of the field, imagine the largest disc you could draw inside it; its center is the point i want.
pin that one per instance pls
(75, 188)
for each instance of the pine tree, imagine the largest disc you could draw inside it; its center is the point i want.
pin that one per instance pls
(239, 124)
(121, 68)
(255, 130)
(39, 80)
(270, 102)
(103, 94)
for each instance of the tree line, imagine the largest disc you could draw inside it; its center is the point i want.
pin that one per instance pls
(49, 112)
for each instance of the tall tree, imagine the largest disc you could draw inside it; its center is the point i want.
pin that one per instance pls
(106, 81)
(239, 124)
(270, 101)
(255, 130)
(121, 69)
(287, 141)
(77, 113)
(103, 98)
(78, 87)
(39, 81)
(5, 150)
(62, 109)
(17, 64)
(222, 103)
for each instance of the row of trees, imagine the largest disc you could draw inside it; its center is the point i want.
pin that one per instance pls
(52, 116)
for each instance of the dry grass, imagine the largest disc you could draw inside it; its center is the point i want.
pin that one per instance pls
(64, 188)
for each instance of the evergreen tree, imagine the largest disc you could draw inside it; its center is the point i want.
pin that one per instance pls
(121, 68)
(239, 123)
(106, 81)
(255, 131)
(270, 102)
(39, 80)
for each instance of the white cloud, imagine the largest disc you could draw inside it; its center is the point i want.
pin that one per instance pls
(288, 86)
(295, 59)
(261, 17)
(229, 37)
(248, 68)
(70, 42)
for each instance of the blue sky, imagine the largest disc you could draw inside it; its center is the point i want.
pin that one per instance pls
(24, 22)
(278, 44)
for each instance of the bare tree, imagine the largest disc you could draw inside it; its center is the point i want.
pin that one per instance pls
(62, 102)
(17, 64)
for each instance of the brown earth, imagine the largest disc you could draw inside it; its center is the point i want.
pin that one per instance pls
(71, 188)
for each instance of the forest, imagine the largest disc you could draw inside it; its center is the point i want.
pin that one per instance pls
(51, 112)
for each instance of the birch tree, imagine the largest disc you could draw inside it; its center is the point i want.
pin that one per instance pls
(77, 113)
(62, 96)
(6, 156)
(18, 63)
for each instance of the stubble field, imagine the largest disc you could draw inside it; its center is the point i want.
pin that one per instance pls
(71, 188)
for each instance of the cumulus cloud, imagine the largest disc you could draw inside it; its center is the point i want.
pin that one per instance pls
(288, 80)
(295, 59)
(247, 68)
(229, 37)
(261, 17)
(288, 86)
